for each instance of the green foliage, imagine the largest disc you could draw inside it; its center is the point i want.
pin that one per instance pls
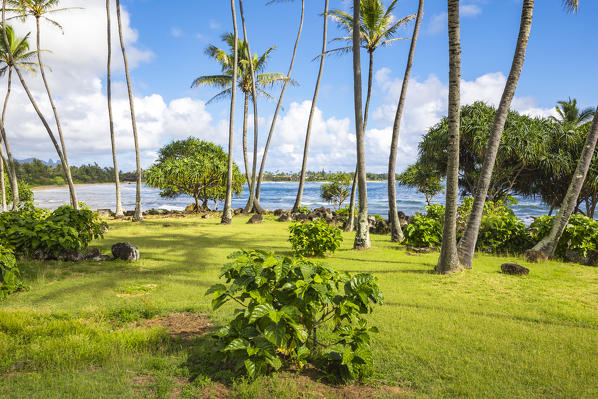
(580, 235)
(423, 231)
(10, 276)
(314, 238)
(423, 178)
(30, 229)
(36, 173)
(284, 301)
(303, 210)
(193, 167)
(337, 190)
(25, 193)
(345, 211)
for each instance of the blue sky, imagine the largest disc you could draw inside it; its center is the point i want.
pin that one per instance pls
(167, 40)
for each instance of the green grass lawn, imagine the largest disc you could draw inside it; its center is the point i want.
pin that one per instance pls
(78, 333)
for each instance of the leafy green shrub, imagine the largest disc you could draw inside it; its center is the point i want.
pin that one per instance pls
(580, 235)
(284, 300)
(303, 210)
(345, 211)
(10, 276)
(25, 193)
(66, 229)
(426, 230)
(314, 238)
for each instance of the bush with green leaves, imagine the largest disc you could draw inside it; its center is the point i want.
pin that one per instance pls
(314, 238)
(425, 230)
(303, 210)
(283, 302)
(31, 229)
(580, 235)
(25, 193)
(10, 276)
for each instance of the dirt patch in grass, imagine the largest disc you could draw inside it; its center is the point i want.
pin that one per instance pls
(186, 326)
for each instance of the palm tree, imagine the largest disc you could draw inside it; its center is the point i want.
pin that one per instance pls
(26, 88)
(362, 234)
(312, 111)
(225, 80)
(377, 29)
(568, 112)
(138, 217)
(279, 104)
(395, 225)
(39, 9)
(16, 53)
(119, 209)
(448, 261)
(227, 214)
(467, 244)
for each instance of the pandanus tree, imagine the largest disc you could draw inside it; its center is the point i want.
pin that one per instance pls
(42, 9)
(138, 216)
(227, 214)
(467, 244)
(448, 262)
(15, 53)
(312, 110)
(362, 234)
(377, 28)
(119, 209)
(244, 82)
(33, 102)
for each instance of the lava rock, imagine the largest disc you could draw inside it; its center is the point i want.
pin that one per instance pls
(285, 217)
(238, 211)
(420, 250)
(70, 256)
(206, 216)
(256, 219)
(279, 212)
(514, 269)
(129, 213)
(105, 213)
(125, 251)
(573, 256)
(301, 217)
(592, 258)
(535, 256)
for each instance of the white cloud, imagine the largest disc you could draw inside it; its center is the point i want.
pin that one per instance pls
(176, 32)
(469, 10)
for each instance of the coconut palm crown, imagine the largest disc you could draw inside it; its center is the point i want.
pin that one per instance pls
(378, 27)
(37, 9)
(226, 61)
(19, 48)
(569, 112)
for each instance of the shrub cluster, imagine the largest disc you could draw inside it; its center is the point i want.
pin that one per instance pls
(284, 301)
(580, 235)
(314, 238)
(31, 230)
(10, 276)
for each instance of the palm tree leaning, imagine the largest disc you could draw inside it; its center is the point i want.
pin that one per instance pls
(39, 9)
(448, 261)
(396, 233)
(119, 209)
(377, 29)
(279, 104)
(138, 217)
(362, 233)
(225, 79)
(312, 111)
(227, 214)
(27, 91)
(467, 244)
(15, 53)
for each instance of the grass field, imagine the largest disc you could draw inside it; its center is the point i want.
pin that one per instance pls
(79, 332)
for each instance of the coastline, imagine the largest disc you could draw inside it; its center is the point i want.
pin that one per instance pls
(65, 186)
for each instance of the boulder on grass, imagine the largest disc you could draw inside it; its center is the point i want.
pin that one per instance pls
(285, 217)
(279, 212)
(535, 256)
(125, 251)
(514, 269)
(105, 213)
(70, 256)
(573, 256)
(256, 219)
(206, 216)
(592, 258)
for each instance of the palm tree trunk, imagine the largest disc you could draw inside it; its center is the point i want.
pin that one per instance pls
(470, 236)
(279, 104)
(138, 214)
(65, 161)
(10, 163)
(548, 244)
(2, 183)
(362, 233)
(312, 111)
(350, 226)
(119, 210)
(29, 95)
(396, 233)
(245, 160)
(252, 204)
(448, 261)
(227, 213)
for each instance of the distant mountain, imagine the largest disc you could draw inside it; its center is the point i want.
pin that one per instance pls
(49, 162)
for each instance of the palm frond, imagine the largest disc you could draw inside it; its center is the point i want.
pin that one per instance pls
(213, 81)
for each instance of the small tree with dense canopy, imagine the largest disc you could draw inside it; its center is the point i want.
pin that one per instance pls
(423, 178)
(193, 167)
(337, 190)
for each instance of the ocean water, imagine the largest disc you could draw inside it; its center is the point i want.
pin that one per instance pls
(274, 196)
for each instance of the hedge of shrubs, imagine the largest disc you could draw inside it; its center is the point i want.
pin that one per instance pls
(500, 230)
